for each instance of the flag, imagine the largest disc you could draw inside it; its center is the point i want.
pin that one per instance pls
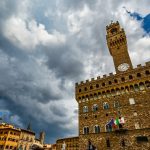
(117, 121)
(121, 120)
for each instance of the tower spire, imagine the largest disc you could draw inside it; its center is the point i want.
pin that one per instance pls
(29, 126)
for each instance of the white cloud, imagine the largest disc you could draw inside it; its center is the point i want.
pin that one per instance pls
(29, 34)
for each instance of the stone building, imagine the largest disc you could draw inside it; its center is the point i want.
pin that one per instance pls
(9, 137)
(71, 143)
(27, 139)
(114, 110)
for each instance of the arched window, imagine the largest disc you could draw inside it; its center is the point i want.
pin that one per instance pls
(79, 90)
(141, 86)
(116, 81)
(97, 85)
(96, 129)
(85, 88)
(105, 105)
(95, 107)
(85, 109)
(116, 104)
(147, 83)
(91, 87)
(108, 142)
(122, 79)
(103, 84)
(138, 75)
(86, 130)
(130, 77)
(123, 143)
(147, 72)
(108, 128)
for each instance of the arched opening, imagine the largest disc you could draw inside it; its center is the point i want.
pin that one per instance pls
(117, 91)
(105, 105)
(91, 87)
(95, 107)
(147, 84)
(96, 129)
(130, 77)
(136, 87)
(141, 86)
(147, 72)
(131, 88)
(97, 85)
(138, 75)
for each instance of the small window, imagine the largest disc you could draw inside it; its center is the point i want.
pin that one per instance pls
(116, 81)
(86, 130)
(105, 105)
(135, 113)
(96, 129)
(107, 142)
(147, 72)
(108, 128)
(123, 143)
(103, 84)
(137, 126)
(138, 75)
(122, 79)
(85, 88)
(142, 139)
(97, 85)
(109, 82)
(116, 104)
(91, 87)
(95, 107)
(131, 101)
(79, 90)
(130, 77)
(85, 109)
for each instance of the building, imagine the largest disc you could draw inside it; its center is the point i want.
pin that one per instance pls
(114, 110)
(9, 137)
(71, 143)
(27, 139)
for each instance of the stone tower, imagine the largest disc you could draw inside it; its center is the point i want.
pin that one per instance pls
(42, 137)
(114, 110)
(117, 44)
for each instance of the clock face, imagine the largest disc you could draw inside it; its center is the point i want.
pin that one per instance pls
(123, 67)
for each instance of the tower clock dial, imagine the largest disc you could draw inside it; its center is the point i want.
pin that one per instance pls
(123, 67)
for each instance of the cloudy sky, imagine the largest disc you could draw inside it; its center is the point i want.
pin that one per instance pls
(46, 46)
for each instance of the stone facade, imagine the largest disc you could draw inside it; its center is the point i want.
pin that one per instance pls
(71, 143)
(124, 96)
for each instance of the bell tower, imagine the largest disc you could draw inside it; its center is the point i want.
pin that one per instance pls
(117, 44)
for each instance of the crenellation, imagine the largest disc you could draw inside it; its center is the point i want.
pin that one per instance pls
(147, 63)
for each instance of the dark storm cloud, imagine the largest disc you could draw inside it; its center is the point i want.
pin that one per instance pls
(38, 71)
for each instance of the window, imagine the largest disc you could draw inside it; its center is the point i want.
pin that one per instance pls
(86, 130)
(103, 84)
(115, 81)
(97, 85)
(105, 105)
(96, 129)
(116, 104)
(138, 75)
(85, 88)
(108, 128)
(130, 77)
(123, 143)
(135, 113)
(110, 82)
(131, 101)
(142, 139)
(95, 107)
(85, 109)
(91, 87)
(79, 90)
(123, 79)
(107, 142)
(137, 126)
(147, 72)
